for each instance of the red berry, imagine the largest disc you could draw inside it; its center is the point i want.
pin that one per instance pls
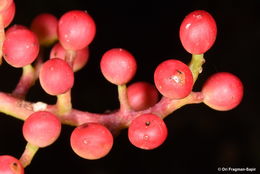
(45, 27)
(223, 91)
(10, 165)
(20, 47)
(4, 4)
(91, 141)
(56, 76)
(41, 128)
(198, 32)
(81, 58)
(14, 28)
(118, 66)
(147, 131)
(142, 95)
(76, 30)
(8, 14)
(173, 79)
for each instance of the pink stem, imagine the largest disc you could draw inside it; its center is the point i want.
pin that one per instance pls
(115, 121)
(26, 81)
(29, 75)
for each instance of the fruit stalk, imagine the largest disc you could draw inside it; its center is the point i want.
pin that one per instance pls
(26, 81)
(63, 103)
(123, 99)
(28, 154)
(197, 60)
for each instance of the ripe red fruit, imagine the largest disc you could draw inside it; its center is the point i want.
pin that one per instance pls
(10, 165)
(173, 79)
(56, 76)
(45, 27)
(20, 47)
(142, 95)
(222, 91)
(76, 30)
(4, 4)
(198, 32)
(147, 131)
(91, 141)
(14, 28)
(8, 14)
(118, 66)
(81, 58)
(41, 128)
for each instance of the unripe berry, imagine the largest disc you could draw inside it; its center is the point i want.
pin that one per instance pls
(8, 14)
(173, 79)
(91, 141)
(222, 91)
(142, 95)
(81, 58)
(20, 47)
(118, 66)
(198, 32)
(10, 165)
(45, 27)
(147, 131)
(76, 30)
(41, 128)
(56, 76)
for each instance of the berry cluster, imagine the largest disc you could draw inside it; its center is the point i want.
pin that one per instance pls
(143, 106)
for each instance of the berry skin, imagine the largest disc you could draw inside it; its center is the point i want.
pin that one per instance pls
(41, 128)
(91, 141)
(4, 4)
(198, 32)
(10, 165)
(147, 131)
(45, 27)
(81, 58)
(56, 76)
(20, 47)
(118, 66)
(222, 91)
(14, 28)
(173, 79)
(142, 95)
(76, 30)
(8, 14)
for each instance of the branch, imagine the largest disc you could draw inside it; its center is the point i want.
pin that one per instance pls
(114, 121)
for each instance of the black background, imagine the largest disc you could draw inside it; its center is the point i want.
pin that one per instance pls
(200, 139)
